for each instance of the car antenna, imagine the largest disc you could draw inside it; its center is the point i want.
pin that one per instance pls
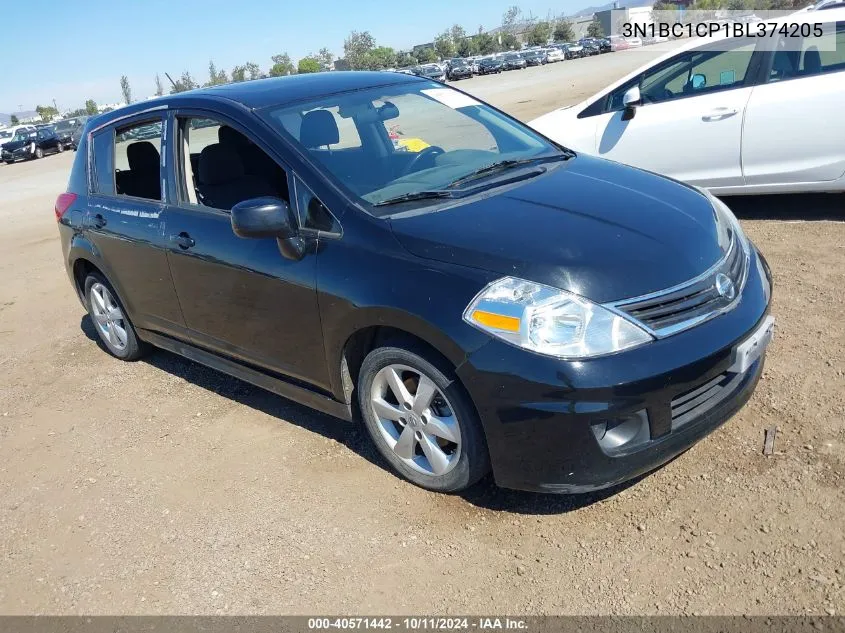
(171, 80)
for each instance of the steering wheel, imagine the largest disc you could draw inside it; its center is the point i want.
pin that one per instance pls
(431, 151)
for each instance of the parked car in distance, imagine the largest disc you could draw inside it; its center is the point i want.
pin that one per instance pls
(493, 301)
(65, 130)
(77, 135)
(534, 58)
(459, 70)
(604, 45)
(8, 133)
(513, 61)
(30, 144)
(554, 54)
(634, 42)
(724, 98)
(430, 71)
(490, 65)
(618, 43)
(573, 51)
(590, 46)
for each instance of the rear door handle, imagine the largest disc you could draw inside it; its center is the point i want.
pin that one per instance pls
(183, 240)
(98, 221)
(717, 114)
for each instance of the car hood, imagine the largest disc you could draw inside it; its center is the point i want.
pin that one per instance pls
(11, 146)
(590, 226)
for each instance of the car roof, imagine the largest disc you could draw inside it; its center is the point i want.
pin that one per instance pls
(260, 93)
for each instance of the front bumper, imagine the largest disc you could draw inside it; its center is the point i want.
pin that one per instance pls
(543, 417)
(18, 154)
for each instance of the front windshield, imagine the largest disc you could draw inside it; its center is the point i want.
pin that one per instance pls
(21, 135)
(64, 126)
(391, 141)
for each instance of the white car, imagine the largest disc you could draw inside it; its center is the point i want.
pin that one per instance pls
(554, 55)
(735, 116)
(634, 42)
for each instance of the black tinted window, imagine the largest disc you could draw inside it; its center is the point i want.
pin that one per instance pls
(312, 213)
(103, 176)
(816, 56)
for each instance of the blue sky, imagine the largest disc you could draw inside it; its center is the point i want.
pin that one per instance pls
(96, 41)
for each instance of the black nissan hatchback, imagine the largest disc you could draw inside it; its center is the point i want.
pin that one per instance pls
(382, 245)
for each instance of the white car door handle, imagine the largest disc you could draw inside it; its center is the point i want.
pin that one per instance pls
(717, 114)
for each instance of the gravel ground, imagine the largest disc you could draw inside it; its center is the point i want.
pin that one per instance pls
(164, 487)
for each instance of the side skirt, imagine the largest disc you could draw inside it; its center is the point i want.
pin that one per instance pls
(255, 377)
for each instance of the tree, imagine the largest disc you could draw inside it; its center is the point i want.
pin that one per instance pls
(509, 42)
(405, 59)
(308, 65)
(467, 47)
(125, 89)
(325, 57)
(356, 47)
(595, 29)
(14, 120)
(216, 77)
(443, 45)
(159, 87)
(184, 83)
(564, 32)
(486, 43)
(90, 107)
(47, 113)
(539, 33)
(380, 57)
(282, 65)
(510, 19)
(426, 55)
(240, 72)
(457, 33)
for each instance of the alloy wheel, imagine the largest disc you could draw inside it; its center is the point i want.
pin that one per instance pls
(108, 317)
(416, 420)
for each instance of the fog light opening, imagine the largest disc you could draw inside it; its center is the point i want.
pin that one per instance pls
(622, 433)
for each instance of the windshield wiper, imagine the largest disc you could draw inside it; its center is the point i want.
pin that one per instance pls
(415, 195)
(503, 165)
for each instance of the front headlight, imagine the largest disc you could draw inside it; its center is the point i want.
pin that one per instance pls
(551, 321)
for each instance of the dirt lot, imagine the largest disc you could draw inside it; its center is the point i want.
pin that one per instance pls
(164, 487)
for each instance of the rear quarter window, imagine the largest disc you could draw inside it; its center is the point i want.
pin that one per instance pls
(102, 149)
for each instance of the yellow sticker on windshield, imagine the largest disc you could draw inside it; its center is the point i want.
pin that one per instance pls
(450, 98)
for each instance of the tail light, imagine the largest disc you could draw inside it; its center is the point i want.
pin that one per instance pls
(63, 203)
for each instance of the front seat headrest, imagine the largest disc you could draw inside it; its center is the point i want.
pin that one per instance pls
(812, 61)
(218, 165)
(230, 136)
(318, 128)
(142, 156)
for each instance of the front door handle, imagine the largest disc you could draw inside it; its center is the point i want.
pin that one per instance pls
(717, 114)
(98, 221)
(183, 240)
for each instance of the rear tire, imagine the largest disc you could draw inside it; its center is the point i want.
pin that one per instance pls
(39, 153)
(60, 148)
(110, 321)
(421, 419)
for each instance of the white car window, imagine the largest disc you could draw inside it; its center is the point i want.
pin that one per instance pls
(813, 57)
(690, 74)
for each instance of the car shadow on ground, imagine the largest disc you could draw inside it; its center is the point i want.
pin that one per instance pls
(790, 207)
(485, 494)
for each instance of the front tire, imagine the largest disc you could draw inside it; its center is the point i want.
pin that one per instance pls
(421, 419)
(60, 148)
(39, 153)
(110, 321)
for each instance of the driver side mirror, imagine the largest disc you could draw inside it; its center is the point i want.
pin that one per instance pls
(631, 99)
(263, 217)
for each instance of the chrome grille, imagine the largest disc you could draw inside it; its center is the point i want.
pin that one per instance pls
(691, 303)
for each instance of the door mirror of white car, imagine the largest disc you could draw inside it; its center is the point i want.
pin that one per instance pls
(631, 99)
